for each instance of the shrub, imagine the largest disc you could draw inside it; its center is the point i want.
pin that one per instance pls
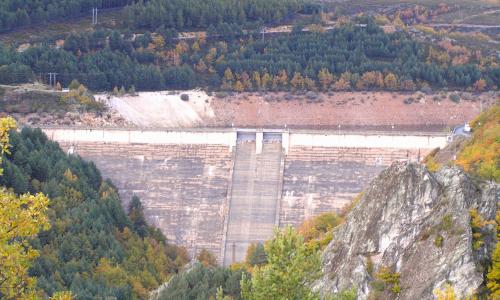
(311, 95)
(455, 98)
(221, 95)
(426, 89)
(317, 227)
(131, 90)
(387, 280)
(206, 258)
(432, 165)
(409, 100)
(477, 223)
(74, 84)
(438, 241)
(184, 97)
(369, 265)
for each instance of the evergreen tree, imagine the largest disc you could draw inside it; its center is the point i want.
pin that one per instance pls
(136, 215)
(290, 270)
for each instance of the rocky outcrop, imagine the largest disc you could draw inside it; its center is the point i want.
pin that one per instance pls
(414, 223)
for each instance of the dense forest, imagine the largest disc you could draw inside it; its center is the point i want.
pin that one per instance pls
(14, 13)
(345, 58)
(202, 282)
(186, 14)
(93, 248)
(173, 14)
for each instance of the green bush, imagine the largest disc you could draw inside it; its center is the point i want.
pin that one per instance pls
(455, 98)
(438, 241)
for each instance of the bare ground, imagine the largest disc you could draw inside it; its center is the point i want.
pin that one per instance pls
(349, 110)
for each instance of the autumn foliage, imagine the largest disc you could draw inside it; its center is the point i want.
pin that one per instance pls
(481, 156)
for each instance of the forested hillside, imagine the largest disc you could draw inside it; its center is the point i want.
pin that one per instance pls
(93, 248)
(345, 58)
(186, 14)
(174, 14)
(14, 13)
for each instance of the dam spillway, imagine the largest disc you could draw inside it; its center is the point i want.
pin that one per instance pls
(222, 189)
(255, 194)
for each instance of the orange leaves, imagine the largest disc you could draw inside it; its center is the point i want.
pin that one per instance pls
(481, 155)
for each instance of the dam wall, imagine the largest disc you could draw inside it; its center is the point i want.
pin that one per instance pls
(221, 189)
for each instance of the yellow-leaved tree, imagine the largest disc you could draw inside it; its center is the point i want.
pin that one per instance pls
(21, 217)
(493, 276)
(481, 155)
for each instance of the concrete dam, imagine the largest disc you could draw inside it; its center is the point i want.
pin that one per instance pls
(222, 189)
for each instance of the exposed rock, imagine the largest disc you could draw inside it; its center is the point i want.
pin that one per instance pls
(156, 294)
(397, 223)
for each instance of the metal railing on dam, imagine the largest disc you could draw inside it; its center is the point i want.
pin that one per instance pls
(203, 193)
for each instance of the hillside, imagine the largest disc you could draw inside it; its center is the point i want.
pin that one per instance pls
(350, 57)
(93, 248)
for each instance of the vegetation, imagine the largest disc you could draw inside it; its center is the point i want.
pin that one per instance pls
(82, 97)
(448, 293)
(201, 282)
(345, 58)
(92, 248)
(186, 14)
(493, 275)
(21, 218)
(477, 224)
(317, 231)
(386, 280)
(290, 270)
(430, 161)
(206, 258)
(256, 255)
(481, 155)
(15, 14)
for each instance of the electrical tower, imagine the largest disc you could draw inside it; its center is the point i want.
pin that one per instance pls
(52, 79)
(94, 16)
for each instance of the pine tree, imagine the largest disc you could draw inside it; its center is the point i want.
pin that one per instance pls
(136, 214)
(286, 251)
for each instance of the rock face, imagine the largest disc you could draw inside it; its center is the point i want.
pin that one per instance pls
(398, 224)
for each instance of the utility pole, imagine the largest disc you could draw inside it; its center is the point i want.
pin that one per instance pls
(52, 79)
(94, 16)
